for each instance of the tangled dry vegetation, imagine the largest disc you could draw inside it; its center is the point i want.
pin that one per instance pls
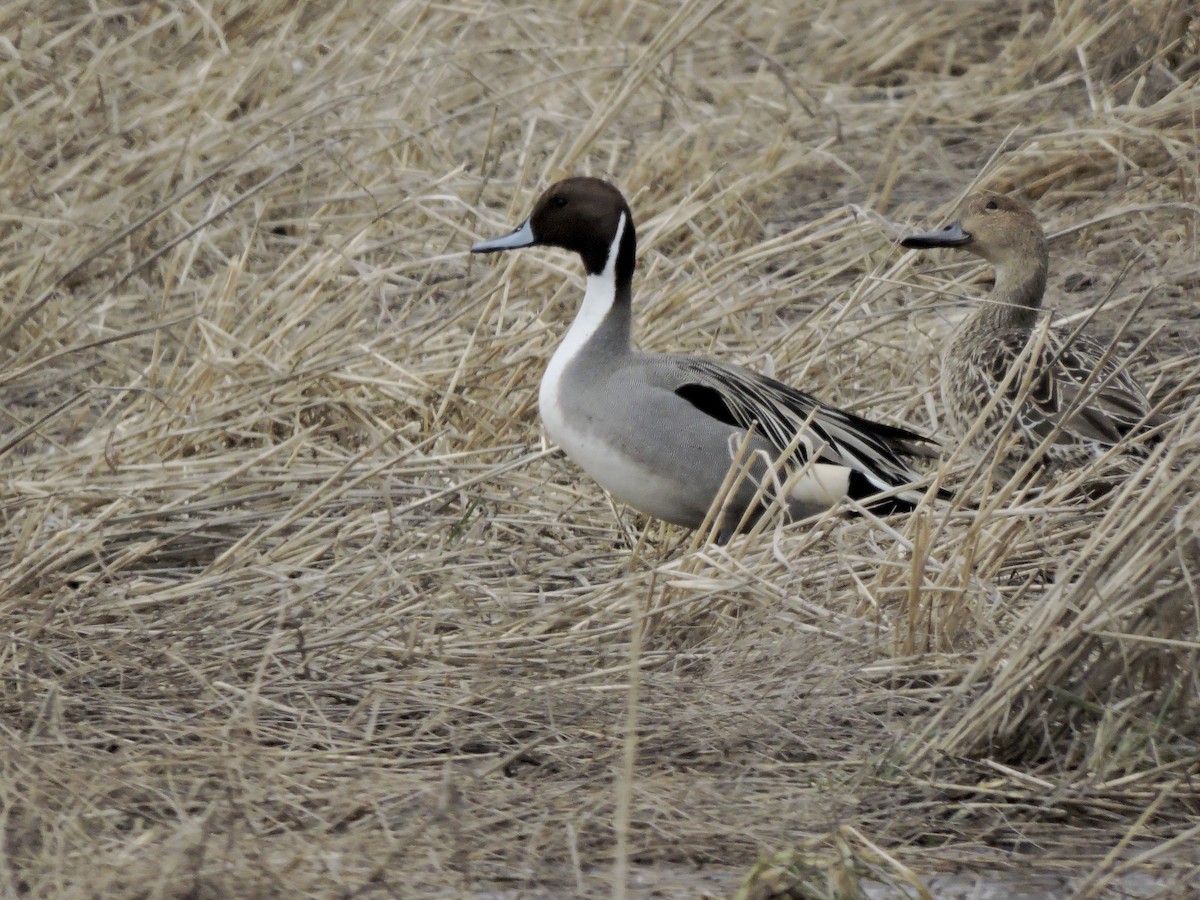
(294, 601)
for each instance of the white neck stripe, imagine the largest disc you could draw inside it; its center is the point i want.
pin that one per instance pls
(598, 300)
(614, 249)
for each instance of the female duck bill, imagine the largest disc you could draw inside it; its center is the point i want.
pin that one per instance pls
(951, 235)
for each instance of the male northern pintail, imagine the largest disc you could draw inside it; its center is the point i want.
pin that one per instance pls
(659, 431)
(1075, 385)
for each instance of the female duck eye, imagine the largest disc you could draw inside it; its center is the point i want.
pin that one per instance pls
(992, 204)
(559, 202)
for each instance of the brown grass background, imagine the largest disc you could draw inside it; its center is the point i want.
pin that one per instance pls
(295, 602)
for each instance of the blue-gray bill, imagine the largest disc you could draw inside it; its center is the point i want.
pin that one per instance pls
(521, 236)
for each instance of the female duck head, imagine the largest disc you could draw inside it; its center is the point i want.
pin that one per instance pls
(1001, 229)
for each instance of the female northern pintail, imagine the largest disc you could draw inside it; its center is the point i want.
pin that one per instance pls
(659, 431)
(1092, 411)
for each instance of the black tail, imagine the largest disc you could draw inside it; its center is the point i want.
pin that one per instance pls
(863, 490)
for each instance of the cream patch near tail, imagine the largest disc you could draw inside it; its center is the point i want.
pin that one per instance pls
(819, 487)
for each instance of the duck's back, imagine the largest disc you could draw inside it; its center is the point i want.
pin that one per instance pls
(1067, 388)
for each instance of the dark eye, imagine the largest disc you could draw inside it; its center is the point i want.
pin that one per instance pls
(559, 202)
(992, 204)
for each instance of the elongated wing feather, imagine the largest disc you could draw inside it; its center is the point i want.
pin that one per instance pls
(739, 396)
(709, 401)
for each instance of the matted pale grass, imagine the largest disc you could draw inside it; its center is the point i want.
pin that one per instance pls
(296, 602)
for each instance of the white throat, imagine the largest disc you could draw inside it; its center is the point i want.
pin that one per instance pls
(598, 299)
(1001, 275)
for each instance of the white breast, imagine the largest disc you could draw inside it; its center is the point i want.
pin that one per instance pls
(554, 396)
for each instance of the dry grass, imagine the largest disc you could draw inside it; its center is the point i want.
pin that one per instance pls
(294, 600)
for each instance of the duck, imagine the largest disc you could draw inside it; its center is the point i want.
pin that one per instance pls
(660, 431)
(1078, 399)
